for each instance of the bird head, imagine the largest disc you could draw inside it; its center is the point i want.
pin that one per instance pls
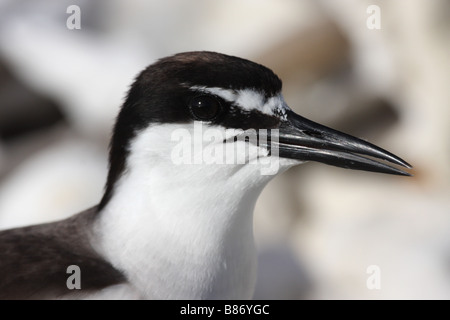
(221, 102)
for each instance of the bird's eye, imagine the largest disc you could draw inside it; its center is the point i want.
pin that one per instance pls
(204, 107)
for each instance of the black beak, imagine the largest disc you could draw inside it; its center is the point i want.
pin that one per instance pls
(305, 140)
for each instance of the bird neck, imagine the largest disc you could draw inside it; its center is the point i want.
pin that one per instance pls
(183, 231)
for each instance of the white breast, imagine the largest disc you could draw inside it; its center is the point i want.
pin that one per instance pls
(181, 231)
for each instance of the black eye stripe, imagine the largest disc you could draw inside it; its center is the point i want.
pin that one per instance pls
(230, 114)
(237, 118)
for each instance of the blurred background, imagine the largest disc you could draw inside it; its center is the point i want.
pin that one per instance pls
(319, 228)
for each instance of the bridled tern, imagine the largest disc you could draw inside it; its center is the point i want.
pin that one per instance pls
(176, 219)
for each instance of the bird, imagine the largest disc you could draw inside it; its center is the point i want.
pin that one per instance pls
(172, 223)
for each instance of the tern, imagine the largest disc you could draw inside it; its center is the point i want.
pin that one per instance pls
(171, 224)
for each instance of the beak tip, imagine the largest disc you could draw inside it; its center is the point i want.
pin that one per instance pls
(400, 172)
(405, 164)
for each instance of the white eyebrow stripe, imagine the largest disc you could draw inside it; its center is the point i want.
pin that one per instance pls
(249, 100)
(226, 94)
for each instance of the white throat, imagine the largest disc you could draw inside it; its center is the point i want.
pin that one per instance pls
(181, 231)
